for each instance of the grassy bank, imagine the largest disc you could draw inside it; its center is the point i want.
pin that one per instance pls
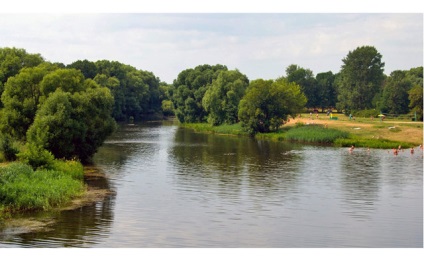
(233, 129)
(343, 132)
(25, 189)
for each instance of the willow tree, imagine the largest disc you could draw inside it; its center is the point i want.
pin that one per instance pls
(223, 96)
(267, 104)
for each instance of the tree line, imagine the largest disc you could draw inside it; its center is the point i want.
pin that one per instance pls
(67, 111)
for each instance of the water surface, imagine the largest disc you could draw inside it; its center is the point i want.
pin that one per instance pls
(177, 188)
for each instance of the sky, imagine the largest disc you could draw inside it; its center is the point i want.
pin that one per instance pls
(258, 44)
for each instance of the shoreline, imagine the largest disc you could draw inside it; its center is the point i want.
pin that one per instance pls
(15, 224)
(363, 132)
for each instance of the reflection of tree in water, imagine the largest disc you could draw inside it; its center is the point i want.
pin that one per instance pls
(82, 227)
(360, 181)
(231, 163)
(119, 147)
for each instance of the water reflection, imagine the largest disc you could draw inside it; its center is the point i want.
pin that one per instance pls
(233, 165)
(360, 181)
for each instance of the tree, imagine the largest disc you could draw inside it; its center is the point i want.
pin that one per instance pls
(73, 125)
(305, 79)
(68, 80)
(267, 104)
(189, 89)
(395, 93)
(223, 96)
(326, 90)
(21, 99)
(136, 92)
(12, 60)
(87, 68)
(361, 79)
(416, 101)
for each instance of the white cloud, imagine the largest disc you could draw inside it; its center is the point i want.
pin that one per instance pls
(259, 45)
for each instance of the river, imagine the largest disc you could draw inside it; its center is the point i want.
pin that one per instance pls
(177, 188)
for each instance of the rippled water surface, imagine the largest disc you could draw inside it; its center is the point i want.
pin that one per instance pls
(177, 188)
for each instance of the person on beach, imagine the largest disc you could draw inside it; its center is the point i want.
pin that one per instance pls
(412, 150)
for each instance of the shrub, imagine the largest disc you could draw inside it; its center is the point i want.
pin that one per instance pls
(71, 167)
(9, 149)
(22, 188)
(36, 157)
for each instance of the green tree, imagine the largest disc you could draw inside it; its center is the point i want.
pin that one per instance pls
(326, 90)
(416, 101)
(87, 68)
(68, 80)
(73, 125)
(136, 92)
(395, 93)
(189, 89)
(21, 99)
(361, 78)
(308, 84)
(12, 60)
(223, 96)
(267, 104)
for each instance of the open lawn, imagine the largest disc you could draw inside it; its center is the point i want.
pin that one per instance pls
(366, 128)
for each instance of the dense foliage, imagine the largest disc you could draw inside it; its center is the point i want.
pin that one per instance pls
(267, 104)
(223, 96)
(361, 79)
(189, 89)
(136, 92)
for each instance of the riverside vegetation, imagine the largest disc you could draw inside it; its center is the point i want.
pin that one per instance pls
(363, 132)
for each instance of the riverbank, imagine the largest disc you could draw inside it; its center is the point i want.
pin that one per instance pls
(360, 132)
(19, 222)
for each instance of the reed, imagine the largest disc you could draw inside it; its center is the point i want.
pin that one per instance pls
(314, 134)
(228, 129)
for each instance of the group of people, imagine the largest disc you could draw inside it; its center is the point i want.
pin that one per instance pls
(394, 150)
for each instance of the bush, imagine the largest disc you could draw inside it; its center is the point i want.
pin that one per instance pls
(9, 149)
(367, 113)
(24, 189)
(36, 157)
(70, 167)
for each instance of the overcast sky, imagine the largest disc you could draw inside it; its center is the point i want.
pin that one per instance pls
(260, 45)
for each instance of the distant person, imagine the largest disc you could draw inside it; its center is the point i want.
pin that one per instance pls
(412, 150)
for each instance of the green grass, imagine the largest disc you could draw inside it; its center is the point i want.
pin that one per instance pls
(23, 189)
(233, 129)
(314, 134)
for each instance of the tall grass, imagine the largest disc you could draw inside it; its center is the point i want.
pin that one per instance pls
(230, 129)
(23, 189)
(314, 134)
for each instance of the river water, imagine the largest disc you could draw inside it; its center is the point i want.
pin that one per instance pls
(177, 188)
